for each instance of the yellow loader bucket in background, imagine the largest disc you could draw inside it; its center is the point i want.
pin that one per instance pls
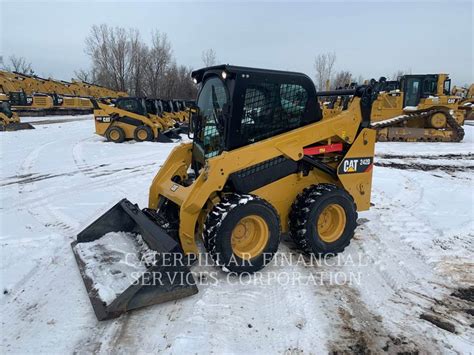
(127, 261)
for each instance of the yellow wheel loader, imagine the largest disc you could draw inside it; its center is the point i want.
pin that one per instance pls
(128, 119)
(9, 121)
(263, 161)
(421, 110)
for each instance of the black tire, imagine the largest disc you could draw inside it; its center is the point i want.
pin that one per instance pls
(222, 221)
(115, 134)
(306, 211)
(143, 133)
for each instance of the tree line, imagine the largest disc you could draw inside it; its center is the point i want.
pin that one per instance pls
(122, 61)
(327, 78)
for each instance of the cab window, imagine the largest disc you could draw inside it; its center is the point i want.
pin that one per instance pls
(430, 86)
(271, 109)
(447, 87)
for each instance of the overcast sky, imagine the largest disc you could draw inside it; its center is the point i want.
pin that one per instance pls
(370, 38)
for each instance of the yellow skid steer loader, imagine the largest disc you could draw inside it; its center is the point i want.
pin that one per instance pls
(9, 120)
(128, 119)
(263, 161)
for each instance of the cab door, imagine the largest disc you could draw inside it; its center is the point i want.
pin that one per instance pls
(412, 91)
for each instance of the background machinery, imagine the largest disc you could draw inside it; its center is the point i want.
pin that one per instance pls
(9, 120)
(422, 109)
(128, 118)
(466, 102)
(33, 96)
(263, 161)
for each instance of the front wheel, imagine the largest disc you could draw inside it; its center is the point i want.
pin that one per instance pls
(242, 233)
(323, 219)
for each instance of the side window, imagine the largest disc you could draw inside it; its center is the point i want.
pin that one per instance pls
(131, 106)
(271, 109)
(429, 86)
(447, 87)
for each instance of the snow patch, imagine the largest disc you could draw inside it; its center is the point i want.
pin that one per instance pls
(113, 263)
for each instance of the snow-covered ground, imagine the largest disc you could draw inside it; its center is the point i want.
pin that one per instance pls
(400, 282)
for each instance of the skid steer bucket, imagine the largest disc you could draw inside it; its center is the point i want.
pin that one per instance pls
(16, 126)
(164, 138)
(127, 261)
(173, 133)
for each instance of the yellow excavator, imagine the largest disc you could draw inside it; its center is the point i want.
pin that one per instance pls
(9, 120)
(421, 110)
(263, 161)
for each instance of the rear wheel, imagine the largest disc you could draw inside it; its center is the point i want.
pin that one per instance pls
(323, 219)
(143, 133)
(242, 233)
(115, 134)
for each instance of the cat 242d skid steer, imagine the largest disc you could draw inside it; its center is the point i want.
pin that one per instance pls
(262, 162)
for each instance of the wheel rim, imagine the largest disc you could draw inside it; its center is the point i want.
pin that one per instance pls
(114, 135)
(331, 223)
(249, 237)
(142, 134)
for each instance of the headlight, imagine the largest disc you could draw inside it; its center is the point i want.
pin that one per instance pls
(224, 75)
(195, 80)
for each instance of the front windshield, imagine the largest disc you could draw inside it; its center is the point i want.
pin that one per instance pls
(211, 100)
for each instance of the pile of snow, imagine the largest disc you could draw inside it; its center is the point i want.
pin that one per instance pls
(112, 263)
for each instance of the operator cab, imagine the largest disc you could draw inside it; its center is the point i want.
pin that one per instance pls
(5, 108)
(132, 104)
(416, 87)
(238, 106)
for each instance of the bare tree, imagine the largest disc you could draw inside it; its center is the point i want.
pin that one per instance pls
(139, 56)
(341, 79)
(110, 51)
(84, 75)
(159, 61)
(397, 74)
(209, 57)
(122, 61)
(18, 64)
(324, 64)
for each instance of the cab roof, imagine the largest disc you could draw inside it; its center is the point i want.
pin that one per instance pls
(237, 70)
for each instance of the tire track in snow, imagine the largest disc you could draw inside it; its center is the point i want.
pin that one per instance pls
(405, 268)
